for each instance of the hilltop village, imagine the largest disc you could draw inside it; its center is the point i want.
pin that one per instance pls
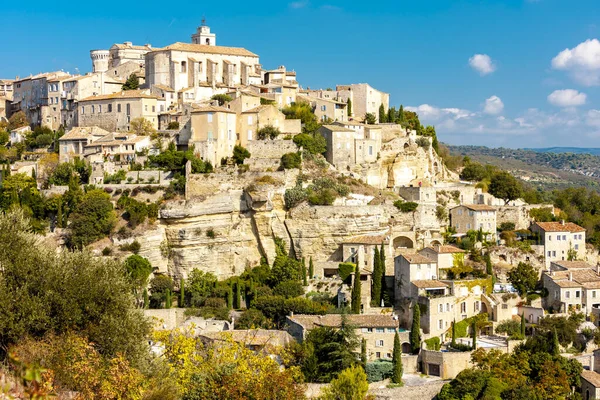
(267, 210)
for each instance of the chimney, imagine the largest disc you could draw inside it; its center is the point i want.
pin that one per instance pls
(562, 221)
(232, 325)
(127, 43)
(598, 269)
(148, 45)
(570, 276)
(291, 314)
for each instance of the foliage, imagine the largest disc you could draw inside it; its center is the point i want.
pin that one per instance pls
(138, 270)
(173, 125)
(379, 370)
(268, 132)
(415, 331)
(294, 196)
(200, 285)
(433, 343)
(475, 172)
(370, 118)
(523, 278)
(288, 289)
(378, 271)
(405, 206)
(356, 292)
(93, 219)
(350, 384)
(397, 360)
(313, 143)
(253, 319)
(507, 226)
(221, 98)
(132, 83)
(17, 120)
(174, 160)
(349, 106)
(240, 154)
(142, 127)
(345, 270)
(505, 186)
(161, 286)
(509, 327)
(302, 111)
(291, 160)
(423, 142)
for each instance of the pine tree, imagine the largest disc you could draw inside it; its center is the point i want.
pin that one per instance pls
(382, 114)
(555, 344)
(181, 293)
(145, 297)
(349, 107)
(132, 83)
(304, 281)
(376, 285)
(311, 269)
(356, 292)
(453, 344)
(238, 296)
(474, 334)
(384, 288)
(363, 353)
(397, 361)
(523, 326)
(230, 298)
(415, 330)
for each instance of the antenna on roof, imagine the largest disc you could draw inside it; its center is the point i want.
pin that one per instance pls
(203, 20)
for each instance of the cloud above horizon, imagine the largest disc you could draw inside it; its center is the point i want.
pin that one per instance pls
(567, 98)
(298, 4)
(493, 105)
(482, 63)
(582, 62)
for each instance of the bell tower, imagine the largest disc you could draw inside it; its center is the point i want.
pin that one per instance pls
(203, 35)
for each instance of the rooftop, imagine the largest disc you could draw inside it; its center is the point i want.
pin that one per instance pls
(206, 49)
(587, 278)
(83, 133)
(337, 128)
(212, 109)
(446, 249)
(417, 259)
(592, 377)
(126, 94)
(429, 284)
(367, 239)
(334, 320)
(253, 337)
(573, 264)
(477, 207)
(560, 227)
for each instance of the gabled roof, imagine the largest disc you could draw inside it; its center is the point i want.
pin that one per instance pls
(560, 227)
(206, 49)
(164, 88)
(212, 109)
(446, 249)
(337, 128)
(253, 337)
(592, 377)
(83, 132)
(125, 94)
(429, 284)
(366, 239)
(417, 258)
(127, 46)
(260, 108)
(477, 207)
(572, 265)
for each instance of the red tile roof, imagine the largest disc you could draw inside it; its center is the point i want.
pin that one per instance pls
(560, 227)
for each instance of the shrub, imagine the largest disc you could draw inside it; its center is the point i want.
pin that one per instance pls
(433, 343)
(240, 154)
(379, 370)
(461, 347)
(210, 233)
(268, 132)
(312, 143)
(221, 98)
(509, 327)
(507, 226)
(289, 289)
(294, 196)
(253, 319)
(441, 213)
(324, 197)
(133, 247)
(406, 206)
(173, 125)
(345, 270)
(107, 251)
(291, 160)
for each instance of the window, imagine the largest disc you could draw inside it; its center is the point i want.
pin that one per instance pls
(210, 117)
(209, 135)
(323, 108)
(553, 253)
(146, 107)
(576, 247)
(564, 237)
(447, 307)
(556, 294)
(93, 108)
(128, 108)
(391, 330)
(476, 306)
(380, 330)
(378, 354)
(109, 108)
(370, 330)
(118, 108)
(379, 343)
(249, 119)
(505, 306)
(568, 294)
(370, 150)
(441, 307)
(459, 212)
(183, 66)
(463, 307)
(364, 330)
(441, 324)
(593, 294)
(557, 237)
(100, 109)
(549, 253)
(577, 293)
(249, 134)
(153, 108)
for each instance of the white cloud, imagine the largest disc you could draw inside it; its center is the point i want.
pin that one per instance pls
(567, 98)
(593, 118)
(298, 4)
(582, 62)
(493, 106)
(482, 63)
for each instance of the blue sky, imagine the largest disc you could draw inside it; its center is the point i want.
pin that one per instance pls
(519, 73)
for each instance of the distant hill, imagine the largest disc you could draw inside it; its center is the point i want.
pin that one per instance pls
(575, 150)
(544, 168)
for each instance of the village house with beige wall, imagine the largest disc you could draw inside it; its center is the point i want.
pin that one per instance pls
(558, 238)
(213, 133)
(572, 286)
(73, 143)
(114, 112)
(326, 110)
(346, 148)
(446, 256)
(469, 217)
(253, 120)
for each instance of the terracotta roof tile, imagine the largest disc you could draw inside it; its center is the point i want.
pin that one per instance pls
(477, 207)
(446, 249)
(212, 109)
(560, 227)
(83, 132)
(126, 94)
(429, 284)
(573, 264)
(592, 377)
(417, 259)
(202, 48)
(337, 128)
(367, 239)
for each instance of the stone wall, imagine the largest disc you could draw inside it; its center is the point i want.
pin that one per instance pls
(450, 363)
(519, 215)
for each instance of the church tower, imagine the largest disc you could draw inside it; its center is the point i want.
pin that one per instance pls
(203, 35)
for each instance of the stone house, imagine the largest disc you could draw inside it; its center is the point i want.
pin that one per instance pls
(167, 94)
(259, 340)
(327, 110)
(282, 94)
(572, 285)
(346, 148)
(213, 133)
(558, 238)
(243, 101)
(253, 120)
(365, 99)
(114, 112)
(6, 88)
(121, 147)
(282, 76)
(590, 384)
(378, 330)
(446, 256)
(73, 144)
(360, 250)
(19, 135)
(409, 268)
(468, 217)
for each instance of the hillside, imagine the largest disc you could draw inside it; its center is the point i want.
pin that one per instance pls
(576, 150)
(547, 170)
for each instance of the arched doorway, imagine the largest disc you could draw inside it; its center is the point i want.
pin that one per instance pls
(406, 348)
(403, 242)
(406, 145)
(436, 243)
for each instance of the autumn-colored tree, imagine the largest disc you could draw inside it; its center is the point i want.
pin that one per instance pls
(17, 120)
(142, 127)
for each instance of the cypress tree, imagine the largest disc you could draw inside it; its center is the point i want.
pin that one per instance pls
(349, 107)
(356, 292)
(397, 361)
(391, 114)
(376, 291)
(401, 117)
(145, 297)
(311, 269)
(237, 300)
(181, 293)
(168, 299)
(363, 353)
(555, 344)
(59, 213)
(382, 114)
(415, 330)
(453, 333)
(304, 281)
(383, 283)
(488, 264)
(523, 325)
(230, 298)
(474, 334)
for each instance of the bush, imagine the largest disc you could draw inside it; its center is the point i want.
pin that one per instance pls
(289, 289)
(291, 160)
(294, 196)
(93, 219)
(240, 154)
(406, 206)
(133, 247)
(507, 226)
(345, 270)
(323, 197)
(268, 132)
(253, 319)
(461, 347)
(312, 143)
(107, 251)
(221, 98)
(379, 370)
(423, 142)
(509, 327)
(210, 233)
(117, 177)
(173, 125)
(433, 343)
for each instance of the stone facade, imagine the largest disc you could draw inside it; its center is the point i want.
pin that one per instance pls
(346, 148)
(572, 286)
(446, 365)
(474, 217)
(253, 120)
(326, 110)
(558, 238)
(213, 133)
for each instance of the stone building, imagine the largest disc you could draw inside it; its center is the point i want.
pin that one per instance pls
(346, 148)
(73, 144)
(282, 94)
(121, 147)
(281, 76)
(378, 330)
(590, 378)
(6, 88)
(213, 133)
(360, 250)
(119, 54)
(114, 112)
(253, 120)
(19, 135)
(446, 256)
(327, 110)
(572, 286)
(469, 217)
(560, 237)
(410, 268)
(365, 99)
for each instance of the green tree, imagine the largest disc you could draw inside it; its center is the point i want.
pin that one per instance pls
(200, 286)
(397, 360)
(268, 132)
(142, 127)
(221, 98)
(132, 83)
(356, 296)
(230, 297)
(382, 114)
(555, 346)
(304, 280)
(349, 107)
(377, 272)
(93, 219)
(488, 264)
(311, 268)
(17, 120)
(181, 293)
(168, 299)
(303, 111)
(363, 353)
(523, 278)
(474, 334)
(415, 330)
(138, 269)
(240, 154)
(400, 118)
(523, 325)
(237, 299)
(351, 384)
(505, 186)
(313, 143)
(370, 119)
(391, 117)
(384, 288)
(291, 160)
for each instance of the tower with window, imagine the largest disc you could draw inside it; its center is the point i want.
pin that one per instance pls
(203, 35)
